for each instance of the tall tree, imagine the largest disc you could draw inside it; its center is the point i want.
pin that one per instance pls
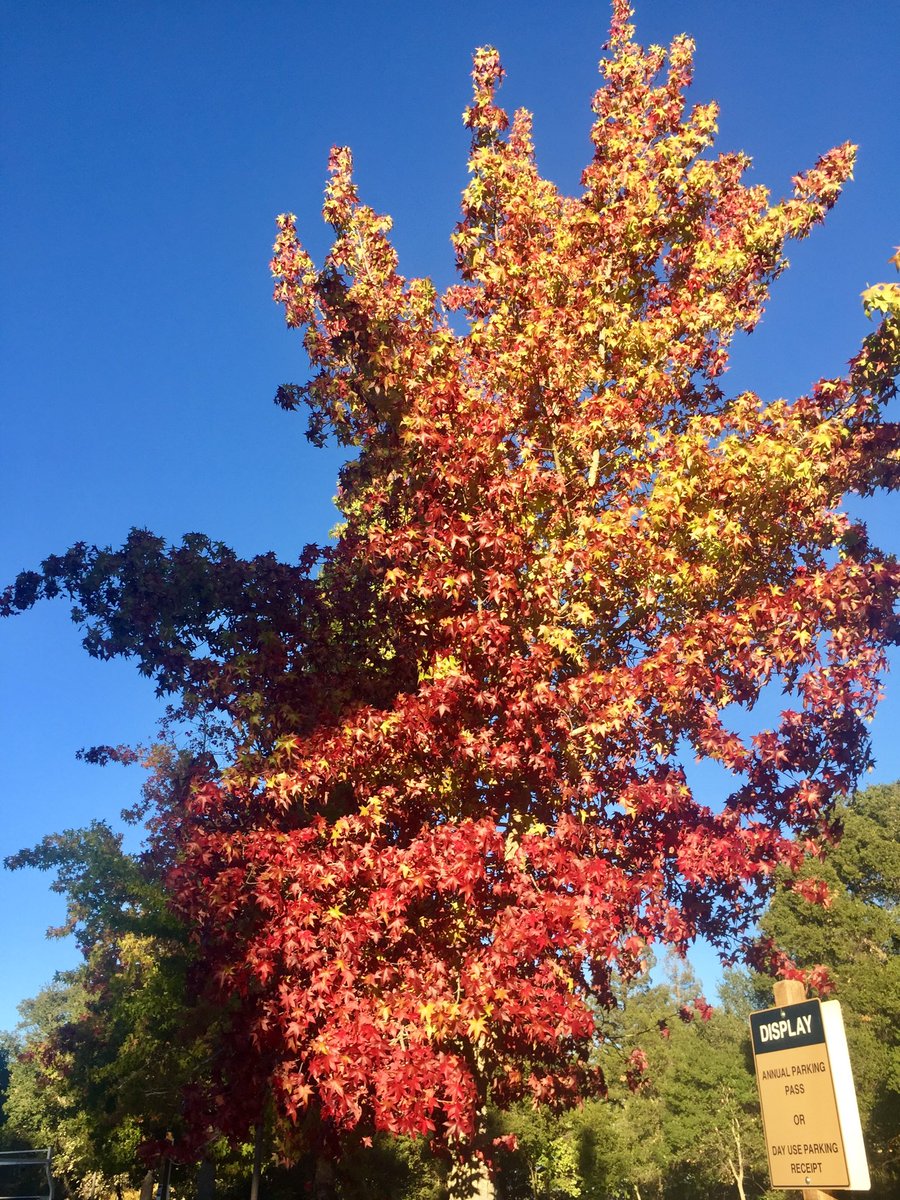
(456, 806)
(593, 557)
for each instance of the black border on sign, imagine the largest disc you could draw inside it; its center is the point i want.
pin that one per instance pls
(798, 1045)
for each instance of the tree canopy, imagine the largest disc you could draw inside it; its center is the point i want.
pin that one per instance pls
(595, 559)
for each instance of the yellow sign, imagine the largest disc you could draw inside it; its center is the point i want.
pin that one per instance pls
(811, 1123)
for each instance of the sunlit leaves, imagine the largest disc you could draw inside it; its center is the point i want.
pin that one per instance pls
(590, 561)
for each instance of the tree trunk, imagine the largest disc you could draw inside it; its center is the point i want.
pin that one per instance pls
(323, 1184)
(257, 1162)
(165, 1179)
(206, 1180)
(469, 1177)
(736, 1163)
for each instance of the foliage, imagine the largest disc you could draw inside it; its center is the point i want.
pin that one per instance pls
(595, 559)
(390, 1168)
(116, 1043)
(9, 1137)
(687, 1128)
(453, 811)
(545, 1158)
(714, 1135)
(39, 1107)
(240, 644)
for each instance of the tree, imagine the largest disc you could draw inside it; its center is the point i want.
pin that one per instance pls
(568, 558)
(593, 557)
(8, 1137)
(107, 1056)
(681, 1120)
(40, 1109)
(712, 1130)
(855, 935)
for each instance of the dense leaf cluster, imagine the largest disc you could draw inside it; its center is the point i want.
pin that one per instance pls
(596, 560)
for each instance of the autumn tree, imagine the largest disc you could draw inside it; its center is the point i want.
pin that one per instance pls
(455, 808)
(595, 559)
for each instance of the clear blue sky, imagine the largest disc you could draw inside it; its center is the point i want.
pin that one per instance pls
(147, 148)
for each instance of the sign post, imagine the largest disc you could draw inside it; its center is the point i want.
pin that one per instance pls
(810, 1119)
